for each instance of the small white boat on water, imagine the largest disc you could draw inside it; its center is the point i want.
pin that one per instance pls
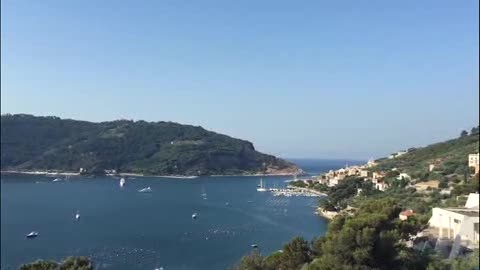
(56, 180)
(77, 216)
(261, 187)
(194, 216)
(254, 246)
(145, 190)
(32, 234)
(122, 182)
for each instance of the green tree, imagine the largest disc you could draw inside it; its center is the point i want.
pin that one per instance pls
(76, 263)
(252, 261)
(40, 265)
(371, 239)
(464, 133)
(474, 130)
(295, 253)
(71, 263)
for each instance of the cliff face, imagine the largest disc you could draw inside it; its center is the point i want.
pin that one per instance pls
(162, 148)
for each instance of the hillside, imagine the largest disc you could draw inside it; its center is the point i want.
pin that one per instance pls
(156, 148)
(449, 158)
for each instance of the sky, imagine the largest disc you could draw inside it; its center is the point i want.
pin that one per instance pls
(300, 79)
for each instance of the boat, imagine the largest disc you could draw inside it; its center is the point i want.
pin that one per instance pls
(194, 216)
(261, 187)
(254, 245)
(145, 190)
(56, 180)
(122, 182)
(77, 216)
(32, 234)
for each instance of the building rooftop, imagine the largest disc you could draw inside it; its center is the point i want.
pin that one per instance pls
(469, 212)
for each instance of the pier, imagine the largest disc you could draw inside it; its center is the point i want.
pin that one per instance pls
(295, 191)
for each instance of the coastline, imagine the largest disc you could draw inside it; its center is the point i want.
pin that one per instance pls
(309, 190)
(46, 173)
(326, 214)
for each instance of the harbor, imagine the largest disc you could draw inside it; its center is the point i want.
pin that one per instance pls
(289, 191)
(295, 191)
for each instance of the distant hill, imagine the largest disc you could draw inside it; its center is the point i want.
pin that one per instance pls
(449, 157)
(156, 148)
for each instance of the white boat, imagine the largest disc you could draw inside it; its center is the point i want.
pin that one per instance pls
(261, 187)
(122, 182)
(145, 190)
(254, 245)
(57, 180)
(32, 234)
(77, 216)
(194, 216)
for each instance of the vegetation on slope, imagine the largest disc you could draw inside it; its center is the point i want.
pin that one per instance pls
(166, 148)
(449, 158)
(71, 263)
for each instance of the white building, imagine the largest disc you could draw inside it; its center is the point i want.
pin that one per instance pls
(472, 200)
(458, 223)
(403, 176)
(473, 161)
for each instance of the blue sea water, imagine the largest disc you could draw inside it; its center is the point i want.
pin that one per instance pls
(121, 228)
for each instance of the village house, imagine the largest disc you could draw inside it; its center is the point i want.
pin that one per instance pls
(377, 175)
(403, 176)
(381, 185)
(422, 186)
(364, 173)
(459, 225)
(404, 215)
(473, 161)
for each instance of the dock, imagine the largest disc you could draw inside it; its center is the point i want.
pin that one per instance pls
(295, 191)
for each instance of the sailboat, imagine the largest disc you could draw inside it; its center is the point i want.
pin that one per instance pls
(261, 187)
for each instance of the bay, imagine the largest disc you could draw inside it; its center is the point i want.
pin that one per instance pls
(121, 228)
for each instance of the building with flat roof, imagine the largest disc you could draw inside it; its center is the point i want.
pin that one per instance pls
(457, 224)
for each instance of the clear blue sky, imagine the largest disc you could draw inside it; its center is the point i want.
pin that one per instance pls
(330, 79)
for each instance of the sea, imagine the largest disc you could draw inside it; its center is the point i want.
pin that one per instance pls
(123, 229)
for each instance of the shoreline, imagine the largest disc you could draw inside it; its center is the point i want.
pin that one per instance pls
(46, 173)
(309, 190)
(326, 214)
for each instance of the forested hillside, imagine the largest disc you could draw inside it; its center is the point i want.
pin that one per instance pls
(50, 143)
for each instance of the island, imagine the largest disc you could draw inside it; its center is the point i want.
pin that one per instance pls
(50, 144)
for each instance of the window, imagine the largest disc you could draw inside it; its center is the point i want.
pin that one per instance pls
(456, 221)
